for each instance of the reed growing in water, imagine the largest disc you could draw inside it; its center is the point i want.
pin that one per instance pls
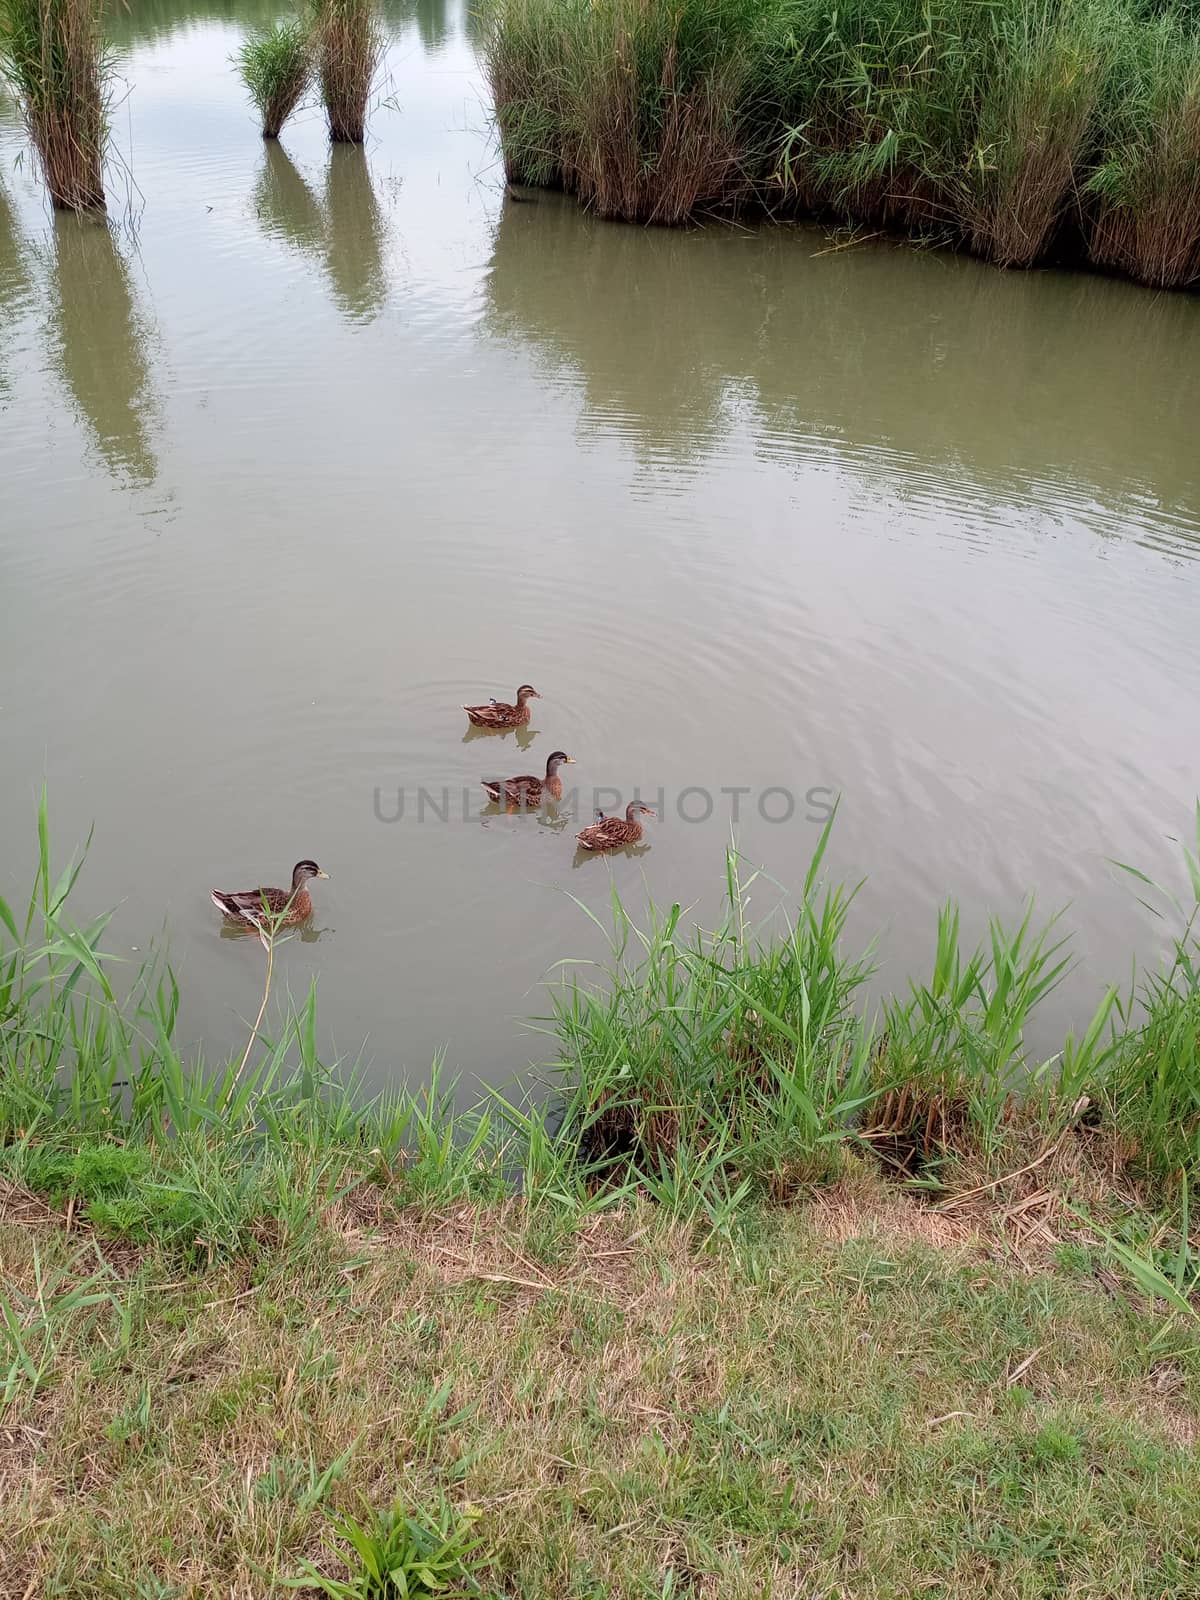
(52, 55)
(277, 68)
(348, 51)
(1019, 129)
(633, 107)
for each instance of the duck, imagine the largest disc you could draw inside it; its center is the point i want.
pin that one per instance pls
(498, 714)
(610, 833)
(271, 909)
(528, 792)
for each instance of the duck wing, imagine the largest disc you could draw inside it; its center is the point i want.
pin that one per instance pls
(495, 715)
(251, 905)
(526, 791)
(610, 834)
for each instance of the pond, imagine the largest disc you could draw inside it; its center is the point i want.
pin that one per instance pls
(314, 446)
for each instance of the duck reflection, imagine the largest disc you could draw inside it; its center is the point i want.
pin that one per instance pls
(524, 735)
(99, 345)
(629, 852)
(306, 932)
(553, 818)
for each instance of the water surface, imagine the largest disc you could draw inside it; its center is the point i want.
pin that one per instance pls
(314, 445)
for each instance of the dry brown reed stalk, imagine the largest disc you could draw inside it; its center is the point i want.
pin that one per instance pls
(619, 107)
(349, 47)
(912, 1124)
(646, 1129)
(51, 53)
(1150, 226)
(691, 158)
(268, 943)
(1034, 134)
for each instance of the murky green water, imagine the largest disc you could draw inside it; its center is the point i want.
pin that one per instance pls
(317, 445)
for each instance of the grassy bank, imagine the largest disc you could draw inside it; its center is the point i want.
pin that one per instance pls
(1023, 130)
(777, 1293)
(849, 1403)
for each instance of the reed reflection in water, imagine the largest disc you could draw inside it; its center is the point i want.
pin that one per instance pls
(354, 236)
(680, 338)
(98, 341)
(344, 230)
(14, 282)
(285, 204)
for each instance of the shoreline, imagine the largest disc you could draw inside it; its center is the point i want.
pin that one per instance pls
(791, 1303)
(1024, 132)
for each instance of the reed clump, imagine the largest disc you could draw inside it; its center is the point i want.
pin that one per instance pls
(277, 68)
(1144, 193)
(727, 1065)
(349, 47)
(706, 1070)
(720, 1063)
(51, 53)
(1045, 80)
(635, 108)
(1022, 130)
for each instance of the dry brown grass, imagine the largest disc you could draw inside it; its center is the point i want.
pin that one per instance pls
(866, 1207)
(803, 1414)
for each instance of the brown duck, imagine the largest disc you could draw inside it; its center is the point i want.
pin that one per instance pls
(529, 792)
(610, 833)
(497, 714)
(271, 909)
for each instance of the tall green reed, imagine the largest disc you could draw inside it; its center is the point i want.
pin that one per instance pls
(724, 1041)
(277, 67)
(633, 107)
(952, 1056)
(1151, 1090)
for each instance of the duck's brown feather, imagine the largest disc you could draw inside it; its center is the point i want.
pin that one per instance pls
(498, 715)
(527, 791)
(279, 907)
(610, 834)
